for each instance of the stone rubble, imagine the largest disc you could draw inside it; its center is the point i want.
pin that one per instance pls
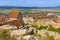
(26, 33)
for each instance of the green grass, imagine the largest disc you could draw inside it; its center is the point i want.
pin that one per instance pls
(54, 29)
(35, 26)
(51, 38)
(44, 38)
(45, 27)
(5, 35)
(42, 27)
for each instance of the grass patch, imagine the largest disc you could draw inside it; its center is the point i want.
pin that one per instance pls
(5, 35)
(54, 29)
(35, 26)
(42, 27)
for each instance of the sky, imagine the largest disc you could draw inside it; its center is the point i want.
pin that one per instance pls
(30, 3)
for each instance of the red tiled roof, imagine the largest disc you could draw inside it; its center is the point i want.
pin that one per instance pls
(14, 14)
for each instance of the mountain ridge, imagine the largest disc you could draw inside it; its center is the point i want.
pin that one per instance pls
(18, 7)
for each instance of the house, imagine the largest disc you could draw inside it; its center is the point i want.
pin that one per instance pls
(13, 19)
(14, 15)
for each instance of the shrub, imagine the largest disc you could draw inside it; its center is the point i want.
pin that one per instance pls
(51, 38)
(54, 29)
(43, 27)
(57, 30)
(35, 26)
(51, 28)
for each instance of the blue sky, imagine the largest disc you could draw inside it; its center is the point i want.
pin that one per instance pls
(30, 3)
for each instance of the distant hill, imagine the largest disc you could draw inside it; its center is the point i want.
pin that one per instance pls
(17, 7)
(58, 6)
